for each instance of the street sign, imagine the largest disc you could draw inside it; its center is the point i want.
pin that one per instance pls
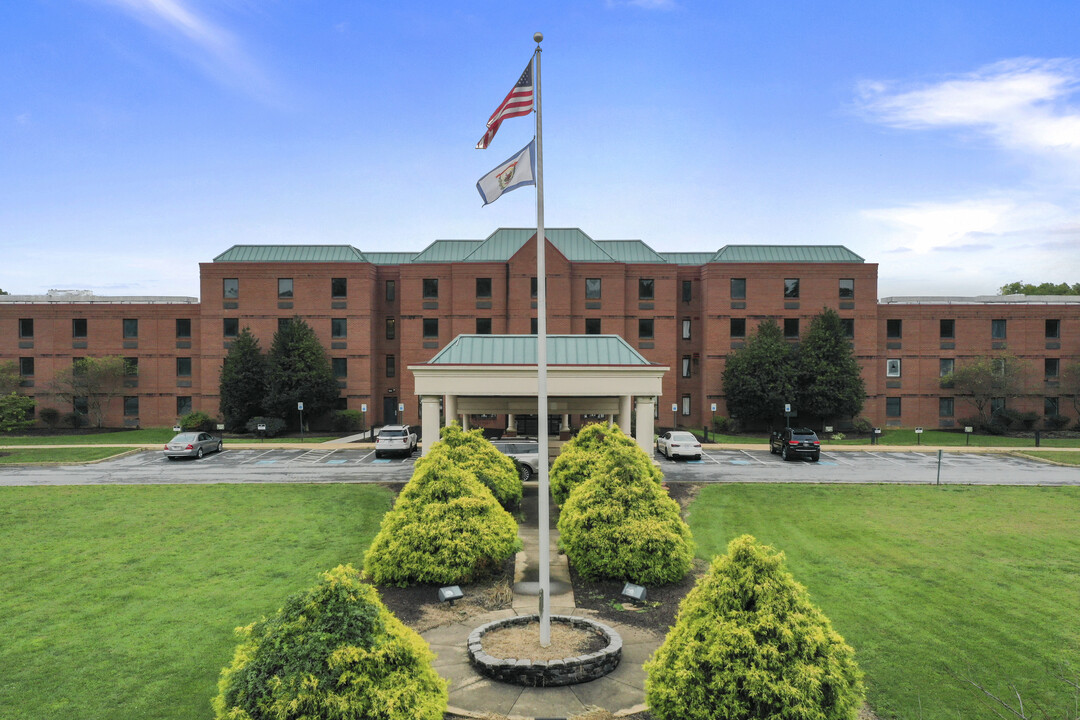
(968, 429)
(221, 426)
(363, 407)
(674, 407)
(787, 407)
(176, 428)
(713, 407)
(918, 431)
(401, 407)
(299, 406)
(261, 427)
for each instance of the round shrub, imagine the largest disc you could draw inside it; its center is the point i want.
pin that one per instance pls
(334, 651)
(274, 426)
(195, 421)
(348, 421)
(446, 527)
(473, 452)
(579, 458)
(620, 523)
(748, 643)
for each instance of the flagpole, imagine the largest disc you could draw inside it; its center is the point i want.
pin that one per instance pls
(541, 369)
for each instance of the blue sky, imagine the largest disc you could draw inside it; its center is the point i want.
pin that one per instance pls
(138, 138)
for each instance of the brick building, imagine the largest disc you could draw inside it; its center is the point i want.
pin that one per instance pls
(378, 313)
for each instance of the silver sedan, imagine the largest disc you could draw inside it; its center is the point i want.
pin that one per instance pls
(192, 444)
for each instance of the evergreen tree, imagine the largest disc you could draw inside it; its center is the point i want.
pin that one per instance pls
(760, 377)
(830, 382)
(299, 371)
(243, 381)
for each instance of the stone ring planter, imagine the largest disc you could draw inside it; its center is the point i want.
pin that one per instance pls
(546, 673)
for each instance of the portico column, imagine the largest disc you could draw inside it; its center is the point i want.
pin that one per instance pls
(465, 422)
(624, 413)
(450, 408)
(429, 411)
(645, 412)
(511, 425)
(564, 427)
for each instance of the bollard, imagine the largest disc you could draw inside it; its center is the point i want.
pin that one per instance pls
(1038, 437)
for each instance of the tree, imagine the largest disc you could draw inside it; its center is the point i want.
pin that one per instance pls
(15, 412)
(298, 371)
(748, 643)
(1022, 288)
(243, 381)
(830, 381)
(1070, 386)
(986, 377)
(97, 380)
(9, 377)
(761, 377)
(334, 651)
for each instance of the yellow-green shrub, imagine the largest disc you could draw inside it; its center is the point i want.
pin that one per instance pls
(446, 527)
(472, 451)
(748, 643)
(334, 651)
(580, 457)
(621, 524)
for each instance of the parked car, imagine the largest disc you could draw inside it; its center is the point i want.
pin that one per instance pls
(795, 442)
(678, 443)
(395, 439)
(192, 444)
(524, 452)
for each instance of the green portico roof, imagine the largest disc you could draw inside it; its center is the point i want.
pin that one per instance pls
(521, 350)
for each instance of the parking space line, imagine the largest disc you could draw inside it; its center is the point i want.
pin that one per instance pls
(267, 452)
(365, 457)
(709, 455)
(836, 457)
(747, 454)
(882, 457)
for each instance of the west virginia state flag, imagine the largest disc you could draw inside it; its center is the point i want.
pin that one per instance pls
(519, 170)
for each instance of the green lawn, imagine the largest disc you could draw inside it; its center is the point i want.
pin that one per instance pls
(1069, 458)
(907, 436)
(120, 602)
(924, 580)
(133, 437)
(57, 455)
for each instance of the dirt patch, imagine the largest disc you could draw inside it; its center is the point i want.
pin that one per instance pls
(523, 642)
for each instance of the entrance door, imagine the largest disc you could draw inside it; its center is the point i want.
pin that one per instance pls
(389, 410)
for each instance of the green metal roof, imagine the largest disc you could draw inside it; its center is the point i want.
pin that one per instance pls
(390, 258)
(631, 251)
(576, 245)
(521, 350)
(785, 253)
(504, 243)
(291, 253)
(688, 258)
(447, 251)
(501, 245)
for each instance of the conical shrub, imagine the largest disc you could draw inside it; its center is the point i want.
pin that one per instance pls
(475, 453)
(748, 643)
(621, 524)
(446, 527)
(334, 651)
(580, 457)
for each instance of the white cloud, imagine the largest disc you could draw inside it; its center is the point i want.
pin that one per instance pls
(1020, 103)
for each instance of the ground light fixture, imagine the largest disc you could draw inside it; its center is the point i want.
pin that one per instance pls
(449, 594)
(635, 592)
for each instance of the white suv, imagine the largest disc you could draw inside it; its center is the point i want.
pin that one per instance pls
(395, 439)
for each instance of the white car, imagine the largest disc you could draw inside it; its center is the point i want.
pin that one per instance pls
(677, 443)
(395, 439)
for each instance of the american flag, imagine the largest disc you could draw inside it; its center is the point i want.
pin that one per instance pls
(517, 103)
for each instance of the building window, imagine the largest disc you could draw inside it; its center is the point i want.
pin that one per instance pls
(131, 406)
(78, 366)
(947, 329)
(483, 287)
(183, 405)
(80, 406)
(738, 327)
(998, 366)
(183, 367)
(592, 326)
(1052, 366)
(894, 328)
(230, 327)
(738, 288)
(848, 326)
(945, 407)
(997, 406)
(284, 288)
(946, 366)
(686, 329)
(685, 404)
(26, 327)
(391, 328)
(645, 329)
(483, 326)
(431, 327)
(534, 326)
(183, 327)
(131, 328)
(340, 367)
(431, 288)
(592, 288)
(230, 288)
(1051, 406)
(339, 287)
(283, 324)
(686, 366)
(1053, 329)
(131, 366)
(26, 366)
(339, 328)
(892, 367)
(78, 328)
(791, 328)
(687, 290)
(391, 290)
(791, 288)
(532, 287)
(646, 289)
(892, 407)
(391, 366)
(847, 288)
(997, 329)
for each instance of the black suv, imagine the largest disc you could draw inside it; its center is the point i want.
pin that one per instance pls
(795, 442)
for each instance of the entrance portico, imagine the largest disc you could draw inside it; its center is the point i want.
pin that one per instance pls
(496, 374)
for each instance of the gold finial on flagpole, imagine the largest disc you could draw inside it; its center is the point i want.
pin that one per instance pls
(538, 37)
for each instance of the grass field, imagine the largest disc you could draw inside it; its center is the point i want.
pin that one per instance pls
(57, 455)
(120, 602)
(924, 580)
(1068, 458)
(143, 436)
(907, 436)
